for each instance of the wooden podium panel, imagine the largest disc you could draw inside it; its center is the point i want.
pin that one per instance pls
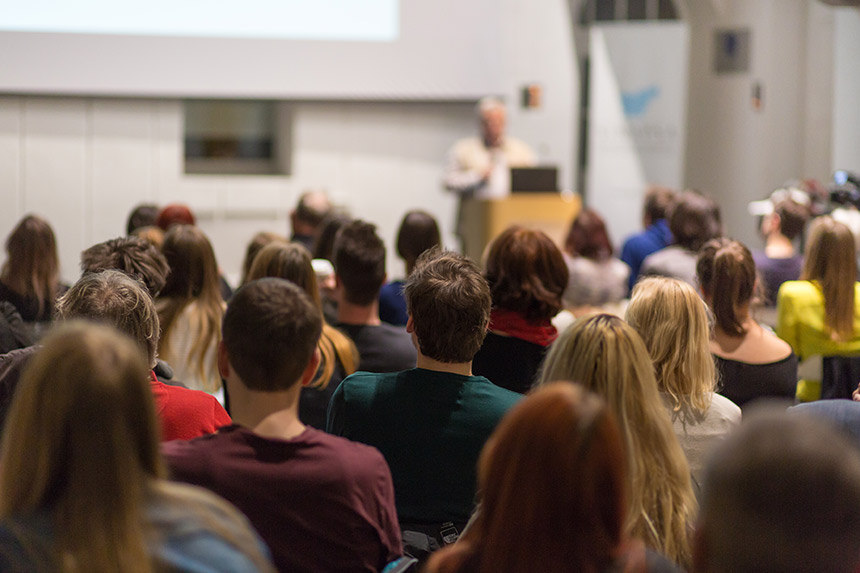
(481, 220)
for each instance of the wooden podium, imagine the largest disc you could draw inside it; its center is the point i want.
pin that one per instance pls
(481, 220)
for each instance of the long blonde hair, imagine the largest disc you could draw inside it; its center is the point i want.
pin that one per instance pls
(86, 452)
(831, 261)
(606, 355)
(292, 262)
(673, 321)
(193, 280)
(32, 267)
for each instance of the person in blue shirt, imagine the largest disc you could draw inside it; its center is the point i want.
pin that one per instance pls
(656, 234)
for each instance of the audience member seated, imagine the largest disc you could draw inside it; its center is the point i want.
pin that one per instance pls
(14, 333)
(144, 215)
(359, 264)
(673, 321)
(783, 494)
(306, 219)
(563, 446)
(81, 485)
(606, 355)
(152, 235)
(430, 422)
(818, 315)
(751, 362)
(843, 414)
(323, 258)
(786, 213)
(190, 308)
(656, 234)
(527, 277)
(322, 503)
(30, 279)
(260, 240)
(694, 219)
(418, 232)
(597, 280)
(338, 355)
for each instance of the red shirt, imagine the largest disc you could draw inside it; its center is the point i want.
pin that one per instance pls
(184, 413)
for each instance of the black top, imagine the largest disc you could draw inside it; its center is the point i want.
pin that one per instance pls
(742, 382)
(381, 347)
(509, 362)
(13, 332)
(29, 306)
(313, 402)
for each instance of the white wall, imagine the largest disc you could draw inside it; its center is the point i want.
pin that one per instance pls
(83, 163)
(846, 92)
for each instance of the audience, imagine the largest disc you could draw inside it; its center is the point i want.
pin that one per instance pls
(321, 503)
(81, 481)
(656, 234)
(359, 264)
(144, 215)
(527, 277)
(783, 494)
(596, 279)
(553, 487)
(818, 315)
(673, 322)
(788, 211)
(606, 356)
(132, 255)
(30, 278)
(190, 308)
(694, 219)
(430, 422)
(751, 362)
(306, 219)
(338, 355)
(418, 233)
(174, 214)
(260, 240)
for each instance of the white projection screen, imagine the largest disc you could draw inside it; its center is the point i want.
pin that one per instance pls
(279, 49)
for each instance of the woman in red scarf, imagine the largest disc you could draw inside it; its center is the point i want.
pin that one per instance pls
(527, 277)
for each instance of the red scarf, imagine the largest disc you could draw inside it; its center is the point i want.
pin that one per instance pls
(516, 325)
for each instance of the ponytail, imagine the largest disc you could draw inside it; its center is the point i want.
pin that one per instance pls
(727, 275)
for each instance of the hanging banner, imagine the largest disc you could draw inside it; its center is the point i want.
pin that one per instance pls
(637, 114)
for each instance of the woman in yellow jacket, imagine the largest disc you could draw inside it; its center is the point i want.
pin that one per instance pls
(818, 315)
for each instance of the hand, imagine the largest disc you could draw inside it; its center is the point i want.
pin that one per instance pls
(855, 395)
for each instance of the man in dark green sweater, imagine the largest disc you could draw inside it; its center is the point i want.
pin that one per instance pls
(430, 422)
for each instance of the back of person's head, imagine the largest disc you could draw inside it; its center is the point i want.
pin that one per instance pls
(726, 273)
(133, 256)
(694, 219)
(111, 297)
(449, 303)
(418, 232)
(564, 443)
(288, 261)
(588, 237)
(174, 214)
(144, 215)
(657, 202)
(259, 241)
(831, 260)
(782, 493)
(193, 268)
(608, 357)
(324, 244)
(359, 261)
(81, 444)
(527, 273)
(151, 234)
(312, 208)
(792, 217)
(32, 266)
(270, 332)
(673, 321)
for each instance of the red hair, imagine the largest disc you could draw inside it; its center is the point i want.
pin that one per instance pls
(588, 237)
(175, 214)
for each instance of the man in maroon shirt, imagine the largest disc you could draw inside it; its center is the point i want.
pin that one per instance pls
(322, 503)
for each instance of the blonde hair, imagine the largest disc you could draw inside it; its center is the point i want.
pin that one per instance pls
(86, 452)
(292, 262)
(606, 355)
(831, 261)
(673, 321)
(192, 282)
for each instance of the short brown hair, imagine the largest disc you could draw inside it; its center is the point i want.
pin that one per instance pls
(726, 273)
(359, 261)
(418, 233)
(526, 273)
(114, 298)
(694, 220)
(134, 256)
(588, 237)
(449, 302)
(657, 202)
(792, 217)
(270, 330)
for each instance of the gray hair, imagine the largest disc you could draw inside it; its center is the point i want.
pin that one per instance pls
(489, 103)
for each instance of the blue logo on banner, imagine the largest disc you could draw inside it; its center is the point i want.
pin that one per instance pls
(637, 103)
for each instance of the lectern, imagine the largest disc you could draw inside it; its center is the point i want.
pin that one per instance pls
(484, 219)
